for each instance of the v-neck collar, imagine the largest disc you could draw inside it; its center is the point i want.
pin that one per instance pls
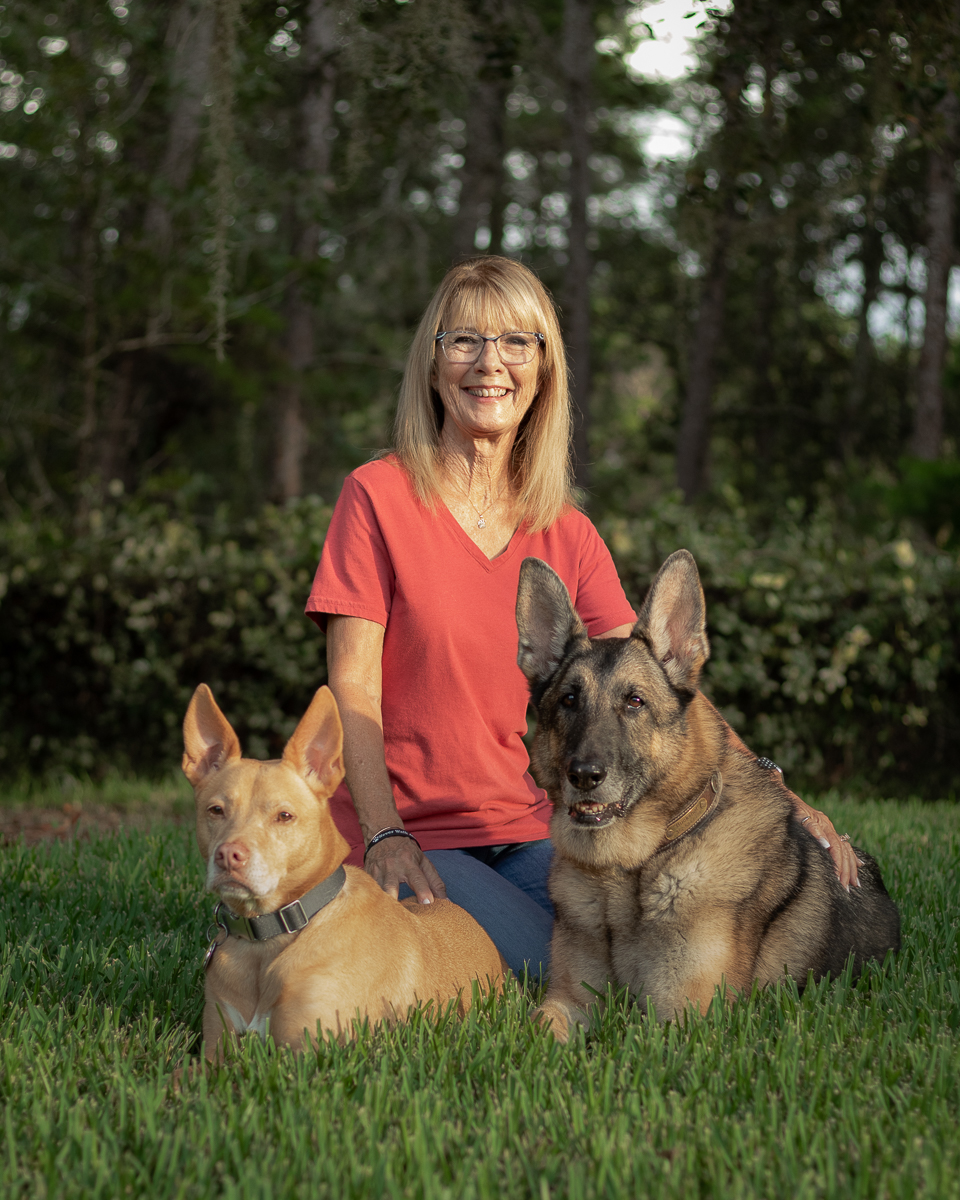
(491, 564)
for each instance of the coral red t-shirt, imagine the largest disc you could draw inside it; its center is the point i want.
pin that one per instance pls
(454, 700)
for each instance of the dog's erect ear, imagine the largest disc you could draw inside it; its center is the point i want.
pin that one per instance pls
(673, 621)
(209, 742)
(315, 750)
(546, 621)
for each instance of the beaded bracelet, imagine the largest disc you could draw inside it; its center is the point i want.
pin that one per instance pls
(387, 833)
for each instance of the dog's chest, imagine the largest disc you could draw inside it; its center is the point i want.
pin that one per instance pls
(257, 1024)
(242, 985)
(669, 892)
(617, 905)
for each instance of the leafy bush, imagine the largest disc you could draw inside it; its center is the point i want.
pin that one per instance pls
(929, 492)
(106, 630)
(833, 651)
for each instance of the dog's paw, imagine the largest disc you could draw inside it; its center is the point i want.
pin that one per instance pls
(553, 1016)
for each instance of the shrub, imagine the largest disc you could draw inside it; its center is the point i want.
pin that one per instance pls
(833, 651)
(105, 631)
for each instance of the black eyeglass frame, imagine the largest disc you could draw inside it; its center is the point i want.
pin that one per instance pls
(483, 338)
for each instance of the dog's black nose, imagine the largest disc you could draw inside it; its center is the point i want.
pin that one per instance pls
(586, 775)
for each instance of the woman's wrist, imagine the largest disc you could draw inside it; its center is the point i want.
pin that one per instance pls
(390, 832)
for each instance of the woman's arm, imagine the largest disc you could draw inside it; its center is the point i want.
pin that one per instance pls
(354, 669)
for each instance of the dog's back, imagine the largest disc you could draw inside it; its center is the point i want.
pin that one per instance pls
(459, 950)
(813, 925)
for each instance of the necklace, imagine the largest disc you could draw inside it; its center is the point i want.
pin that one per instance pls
(481, 523)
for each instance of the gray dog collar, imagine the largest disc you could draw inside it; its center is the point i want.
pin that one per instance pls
(289, 919)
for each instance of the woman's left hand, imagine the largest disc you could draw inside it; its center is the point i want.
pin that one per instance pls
(819, 825)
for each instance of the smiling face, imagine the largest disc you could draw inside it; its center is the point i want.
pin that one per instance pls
(488, 398)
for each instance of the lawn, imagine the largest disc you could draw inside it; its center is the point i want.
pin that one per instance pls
(850, 1090)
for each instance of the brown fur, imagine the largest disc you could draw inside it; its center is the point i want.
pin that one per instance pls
(266, 834)
(624, 744)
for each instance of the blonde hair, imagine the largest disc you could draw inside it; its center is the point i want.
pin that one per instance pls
(496, 293)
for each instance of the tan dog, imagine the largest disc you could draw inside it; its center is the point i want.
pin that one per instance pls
(312, 944)
(679, 865)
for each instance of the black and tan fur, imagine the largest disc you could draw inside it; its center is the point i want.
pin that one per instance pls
(625, 743)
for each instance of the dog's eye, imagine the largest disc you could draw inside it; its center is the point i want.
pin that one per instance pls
(569, 699)
(215, 810)
(284, 817)
(635, 701)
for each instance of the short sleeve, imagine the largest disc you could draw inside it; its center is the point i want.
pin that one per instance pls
(355, 577)
(600, 599)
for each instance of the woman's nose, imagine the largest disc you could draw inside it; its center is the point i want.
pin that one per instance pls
(489, 358)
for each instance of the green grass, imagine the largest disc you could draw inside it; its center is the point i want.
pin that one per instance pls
(850, 1090)
(171, 796)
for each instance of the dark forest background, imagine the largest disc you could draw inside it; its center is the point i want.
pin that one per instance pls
(221, 220)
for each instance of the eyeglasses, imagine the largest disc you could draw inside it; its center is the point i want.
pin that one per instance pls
(462, 346)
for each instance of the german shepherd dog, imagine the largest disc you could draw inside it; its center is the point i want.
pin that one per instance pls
(679, 866)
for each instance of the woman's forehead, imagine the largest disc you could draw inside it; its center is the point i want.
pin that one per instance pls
(489, 314)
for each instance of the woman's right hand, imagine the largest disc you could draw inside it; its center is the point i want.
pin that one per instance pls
(399, 860)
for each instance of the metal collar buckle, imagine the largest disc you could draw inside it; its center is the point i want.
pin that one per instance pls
(292, 917)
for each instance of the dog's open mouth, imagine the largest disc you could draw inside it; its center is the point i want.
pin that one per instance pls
(595, 815)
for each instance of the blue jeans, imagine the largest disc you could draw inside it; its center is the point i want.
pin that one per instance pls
(504, 888)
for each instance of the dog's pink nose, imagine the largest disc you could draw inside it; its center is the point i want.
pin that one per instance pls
(230, 856)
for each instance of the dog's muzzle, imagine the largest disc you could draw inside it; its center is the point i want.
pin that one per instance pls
(586, 776)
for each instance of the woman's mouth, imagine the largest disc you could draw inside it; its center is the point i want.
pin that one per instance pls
(488, 393)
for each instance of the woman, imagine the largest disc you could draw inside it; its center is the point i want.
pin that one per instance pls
(417, 587)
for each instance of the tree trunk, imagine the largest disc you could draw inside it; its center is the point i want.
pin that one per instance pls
(578, 56)
(481, 198)
(695, 424)
(120, 424)
(927, 440)
(863, 357)
(764, 394)
(86, 434)
(188, 41)
(316, 117)
(694, 438)
(110, 427)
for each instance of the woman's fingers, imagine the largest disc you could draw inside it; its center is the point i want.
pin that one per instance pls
(848, 873)
(399, 860)
(845, 860)
(437, 885)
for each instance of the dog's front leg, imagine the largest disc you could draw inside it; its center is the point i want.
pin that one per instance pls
(577, 971)
(220, 1030)
(684, 964)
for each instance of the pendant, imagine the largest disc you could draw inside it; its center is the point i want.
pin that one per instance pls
(481, 524)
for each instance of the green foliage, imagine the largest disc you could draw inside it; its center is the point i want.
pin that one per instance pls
(833, 650)
(106, 245)
(107, 630)
(852, 1089)
(930, 493)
